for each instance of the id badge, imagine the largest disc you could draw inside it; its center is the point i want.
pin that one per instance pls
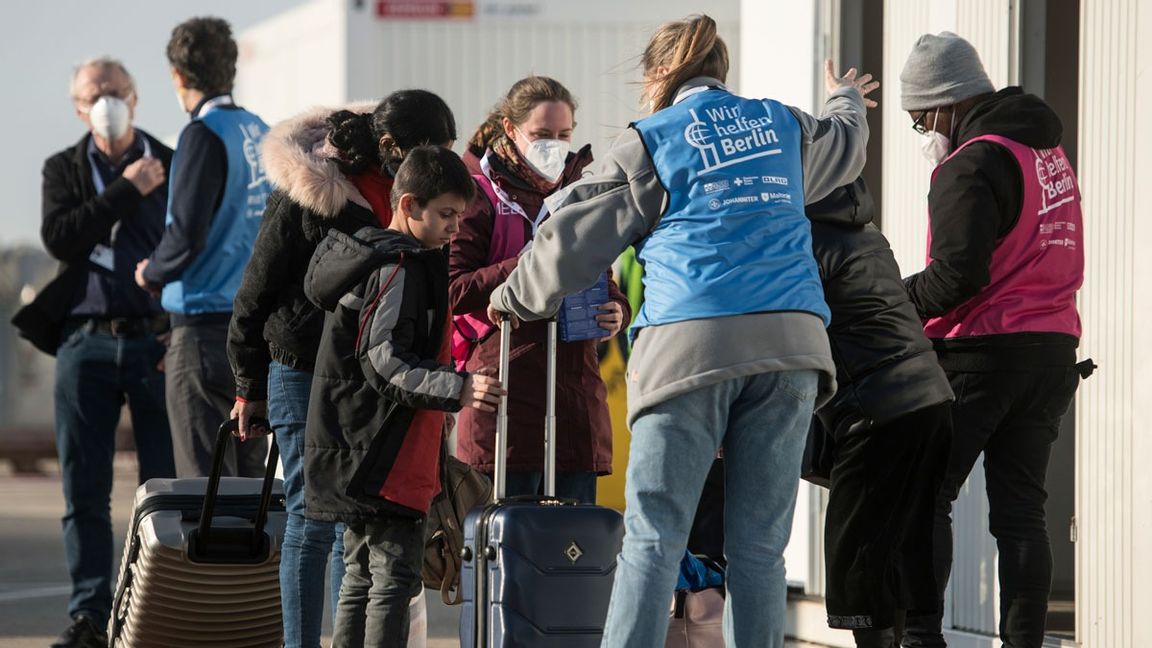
(103, 256)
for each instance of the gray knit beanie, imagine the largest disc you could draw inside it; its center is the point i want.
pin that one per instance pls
(942, 70)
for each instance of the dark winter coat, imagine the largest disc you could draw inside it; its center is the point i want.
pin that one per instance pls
(75, 218)
(885, 366)
(974, 202)
(271, 318)
(387, 303)
(584, 429)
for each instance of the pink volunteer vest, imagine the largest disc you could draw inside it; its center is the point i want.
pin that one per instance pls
(1038, 267)
(507, 241)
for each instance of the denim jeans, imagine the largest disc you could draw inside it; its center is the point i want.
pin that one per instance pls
(382, 558)
(580, 486)
(307, 543)
(95, 373)
(1012, 418)
(761, 421)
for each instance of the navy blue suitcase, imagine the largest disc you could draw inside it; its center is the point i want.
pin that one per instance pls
(536, 571)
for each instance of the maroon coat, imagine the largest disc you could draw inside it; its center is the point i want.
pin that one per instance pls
(584, 429)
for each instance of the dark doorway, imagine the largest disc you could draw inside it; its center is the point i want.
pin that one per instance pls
(1049, 67)
(862, 47)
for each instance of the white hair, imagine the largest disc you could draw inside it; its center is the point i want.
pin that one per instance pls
(102, 62)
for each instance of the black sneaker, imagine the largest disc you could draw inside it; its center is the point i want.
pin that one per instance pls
(83, 633)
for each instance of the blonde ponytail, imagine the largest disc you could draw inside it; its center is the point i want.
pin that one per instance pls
(687, 48)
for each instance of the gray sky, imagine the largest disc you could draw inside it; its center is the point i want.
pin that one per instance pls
(40, 42)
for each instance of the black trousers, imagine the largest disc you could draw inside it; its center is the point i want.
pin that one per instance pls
(879, 528)
(200, 392)
(1013, 418)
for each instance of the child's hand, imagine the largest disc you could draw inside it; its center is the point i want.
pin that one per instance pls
(612, 319)
(482, 392)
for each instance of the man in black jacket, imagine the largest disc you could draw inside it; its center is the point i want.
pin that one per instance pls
(999, 302)
(104, 204)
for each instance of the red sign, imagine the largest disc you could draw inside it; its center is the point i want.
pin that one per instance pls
(425, 9)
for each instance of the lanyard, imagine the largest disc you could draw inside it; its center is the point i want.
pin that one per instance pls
(486, 167)
(214, 103)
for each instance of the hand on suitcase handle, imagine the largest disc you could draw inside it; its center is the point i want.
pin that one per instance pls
(497, 317)
(251, 418)
(482, 391)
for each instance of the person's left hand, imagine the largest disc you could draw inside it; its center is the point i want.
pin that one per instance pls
(611, 319)
(152, 289)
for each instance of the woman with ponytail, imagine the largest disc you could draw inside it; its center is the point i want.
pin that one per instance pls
(730, 350)
(520, 156)
(329, 170)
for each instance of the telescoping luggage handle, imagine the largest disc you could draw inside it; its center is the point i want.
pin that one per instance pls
(210, 494)
(501, 469)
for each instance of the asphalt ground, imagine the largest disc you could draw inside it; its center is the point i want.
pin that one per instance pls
(34, 579)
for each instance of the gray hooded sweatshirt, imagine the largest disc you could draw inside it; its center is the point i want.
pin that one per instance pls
(597, 218)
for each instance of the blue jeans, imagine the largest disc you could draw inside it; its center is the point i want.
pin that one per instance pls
(95, 373)
(761, 421)
(580, 486)
(307, 543)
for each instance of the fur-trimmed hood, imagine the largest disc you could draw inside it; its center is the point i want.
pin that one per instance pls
(301, 162)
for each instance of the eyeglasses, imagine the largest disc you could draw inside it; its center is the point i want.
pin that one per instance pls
(920, 124)
(85, 103)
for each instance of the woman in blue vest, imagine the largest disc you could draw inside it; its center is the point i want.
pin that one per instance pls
(730, 346)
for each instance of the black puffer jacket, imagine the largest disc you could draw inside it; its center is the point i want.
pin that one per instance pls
(271, 317)
(368, 449)
(885, 366)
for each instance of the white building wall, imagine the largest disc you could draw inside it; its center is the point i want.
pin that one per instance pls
(592, 47)
(333, 51)
(294, 61)
(1114, 447)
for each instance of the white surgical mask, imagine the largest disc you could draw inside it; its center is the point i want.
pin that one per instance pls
(936, 146)
(547, 156)
(110, 117)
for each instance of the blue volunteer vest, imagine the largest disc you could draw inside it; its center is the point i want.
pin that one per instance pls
(209, 284)
(734, 238)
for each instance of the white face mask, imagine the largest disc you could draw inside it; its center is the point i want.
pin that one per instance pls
(546, 156)
(110, 117)
(936, 146)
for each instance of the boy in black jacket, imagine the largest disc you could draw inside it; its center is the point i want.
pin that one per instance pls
(383, 380)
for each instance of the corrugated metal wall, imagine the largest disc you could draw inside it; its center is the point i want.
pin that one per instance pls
(478, 61)
(1113, 448)
(906, 173)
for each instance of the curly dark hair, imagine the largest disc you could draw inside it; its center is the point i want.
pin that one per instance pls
(410, 118)
(203, 51)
